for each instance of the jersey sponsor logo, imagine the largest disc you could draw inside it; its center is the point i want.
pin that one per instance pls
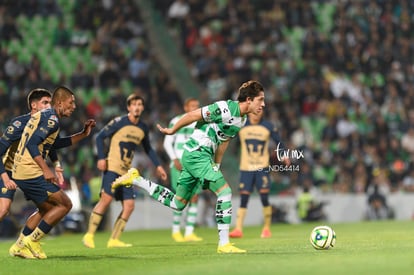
(17, 123)
(137, 139)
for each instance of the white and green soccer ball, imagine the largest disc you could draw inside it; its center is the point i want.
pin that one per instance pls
(322, 237)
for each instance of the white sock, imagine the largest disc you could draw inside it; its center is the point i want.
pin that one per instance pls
(223, 232)
(145, 184)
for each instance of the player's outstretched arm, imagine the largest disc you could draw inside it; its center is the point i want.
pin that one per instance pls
(87, 128)
(185, 120)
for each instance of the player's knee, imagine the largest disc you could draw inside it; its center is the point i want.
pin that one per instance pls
(225, 191)
(128, 207)
(3, 213)
(179, 206)
(68, 206)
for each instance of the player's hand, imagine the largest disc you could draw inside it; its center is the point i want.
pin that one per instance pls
(87, 128)
(10, 184)
(166, 131)
(286, 161)
(161, 172)
(177, 164)
(216, 167)
(102, 165)
(50, 176)
(59, 174)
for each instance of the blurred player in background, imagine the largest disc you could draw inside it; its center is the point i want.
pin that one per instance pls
(32, 174)
(174, 146)
(126, 133)
(254, 169)
(216, 125)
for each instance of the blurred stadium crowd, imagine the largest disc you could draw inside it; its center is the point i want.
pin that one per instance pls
(339, 75)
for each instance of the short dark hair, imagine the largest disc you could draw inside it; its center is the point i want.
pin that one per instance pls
(61, 93)
(36, 95)
(249, 89)
(132, 97)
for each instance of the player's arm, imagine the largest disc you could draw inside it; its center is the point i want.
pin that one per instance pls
(13, 133)
(169, 141)
(86, 131)
(53, 156)
(100, 143)
(32, 146)
(104, 133)
(153, 156)
(185, 120)
(278, 141)
(221, 149)
(8, 182)
(62, 142)
(3, 149)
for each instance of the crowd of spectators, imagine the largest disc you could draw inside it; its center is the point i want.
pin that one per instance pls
(338, 76)
(120, 53)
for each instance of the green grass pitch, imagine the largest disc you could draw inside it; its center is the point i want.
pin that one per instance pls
(361, 248)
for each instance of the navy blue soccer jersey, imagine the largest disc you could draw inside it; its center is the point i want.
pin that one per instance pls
(39, 135)
(254, 140)
(125, 137)
(10, 140)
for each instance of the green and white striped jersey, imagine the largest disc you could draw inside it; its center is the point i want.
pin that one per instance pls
(174, 144)
(221, 122)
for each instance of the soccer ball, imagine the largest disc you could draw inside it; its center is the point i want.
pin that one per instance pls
(322, 237)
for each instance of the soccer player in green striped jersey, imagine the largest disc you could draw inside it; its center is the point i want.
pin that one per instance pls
(216, 125)
(174, 146)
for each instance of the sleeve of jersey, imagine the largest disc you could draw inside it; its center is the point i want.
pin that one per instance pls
(43, 130)
(53, 156)
(62, 142)
(209, 112)
(149, 151)
(276, 137)
(12, 134)
(32, 145)
(3, 149)
(107, 131)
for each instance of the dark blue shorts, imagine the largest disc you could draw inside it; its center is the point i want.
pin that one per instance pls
(37, 189)
(121, 193)
(6, 193)
(250, 179)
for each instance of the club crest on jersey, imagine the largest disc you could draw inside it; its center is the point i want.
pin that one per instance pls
(51, 123)
(10, 130)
